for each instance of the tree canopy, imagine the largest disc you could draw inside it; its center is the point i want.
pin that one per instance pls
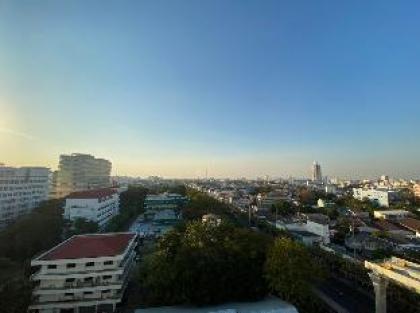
(290, 272)
(204, 264)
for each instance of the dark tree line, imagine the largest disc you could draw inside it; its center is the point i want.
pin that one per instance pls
(34, 233)
(204, 264)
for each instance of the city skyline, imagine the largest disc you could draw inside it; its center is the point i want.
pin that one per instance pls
(240, 89)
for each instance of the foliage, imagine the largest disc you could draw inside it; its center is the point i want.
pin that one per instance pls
(180, 189)
(290, 271)
(131, 205)
(203, 264)
(309, 197)
(82, 226)
(200, 204)
(35, 232)
(15, 295)
(283, 208)
(355, 204)
(38, 231)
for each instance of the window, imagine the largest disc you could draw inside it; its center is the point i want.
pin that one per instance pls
(70, 280)
(69, 294)
(108, 262)
(88, 293)
(88, 279)
(107, 277)
(51, 266)
(106, 291)
(90, 264)
(71, 265)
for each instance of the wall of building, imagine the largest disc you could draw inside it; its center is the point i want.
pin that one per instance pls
(96, 210)
(21, 190)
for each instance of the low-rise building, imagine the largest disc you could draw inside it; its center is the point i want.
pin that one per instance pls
(94, 205)
(393, 215)
(319, 224)
(382, 197)
(85, 273)
(164, 201)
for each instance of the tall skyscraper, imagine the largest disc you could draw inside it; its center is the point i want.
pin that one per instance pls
(78, 172)
(316, 172)
(21, 190)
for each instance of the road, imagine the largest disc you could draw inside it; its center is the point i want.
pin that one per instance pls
(347, 296)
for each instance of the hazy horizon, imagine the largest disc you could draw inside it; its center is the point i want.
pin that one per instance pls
(240, 88)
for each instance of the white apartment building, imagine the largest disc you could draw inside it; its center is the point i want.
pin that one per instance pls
(77, 172)
(21, 190)
(383, 197)
(84, 274)
(94, 205)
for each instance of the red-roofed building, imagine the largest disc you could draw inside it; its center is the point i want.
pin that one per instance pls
(86, 273)
(98, 205)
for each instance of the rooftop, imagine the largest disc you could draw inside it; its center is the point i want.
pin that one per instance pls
(92, 194)
(411, 223)
(318, 218)
(89, 246)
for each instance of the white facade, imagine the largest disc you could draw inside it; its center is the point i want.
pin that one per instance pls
(21, 190)
(320, 229)
(84, 284)
(379, 196)
(95, 206)
(391, 214)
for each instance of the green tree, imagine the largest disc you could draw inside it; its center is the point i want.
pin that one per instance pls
(290, 271)
(204, 264)
(131, 205)
(84, 226)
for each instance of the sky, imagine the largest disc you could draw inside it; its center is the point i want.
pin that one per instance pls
(240, 88)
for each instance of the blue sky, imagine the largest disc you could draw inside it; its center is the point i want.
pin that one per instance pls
(243, 88)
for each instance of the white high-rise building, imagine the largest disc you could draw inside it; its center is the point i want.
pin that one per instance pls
(78, 172)
(85, 273)
(21, 190)
(316, 172)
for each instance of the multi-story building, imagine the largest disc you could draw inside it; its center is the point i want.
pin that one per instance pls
(382, 197)
(77, 172)
(84, 274)
(21, 190)
(416, 189)
(316, 172)
(98, 205)
(164, 201)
